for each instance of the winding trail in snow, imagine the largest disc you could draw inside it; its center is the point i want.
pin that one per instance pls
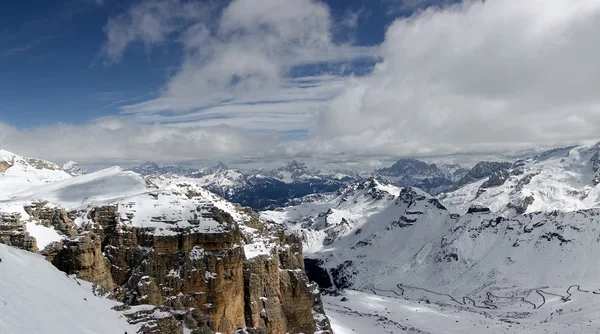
(489, 302)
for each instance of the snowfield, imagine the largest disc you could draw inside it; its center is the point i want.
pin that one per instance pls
(378, 314)
(531, 273)
(36, 298)
(512, 252)
(566, 179)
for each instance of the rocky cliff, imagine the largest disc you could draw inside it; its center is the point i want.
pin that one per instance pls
(210, 267)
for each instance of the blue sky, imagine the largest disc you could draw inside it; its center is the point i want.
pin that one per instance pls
(348, 82)
(53, 71)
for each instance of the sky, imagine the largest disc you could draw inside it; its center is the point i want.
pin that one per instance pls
(341, 82)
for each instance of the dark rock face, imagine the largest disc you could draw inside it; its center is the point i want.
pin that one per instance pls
(482, 170)
(419, 174)
(496, 179)
(317, 274)
(478, 209)
(521, 206)
(342, 275)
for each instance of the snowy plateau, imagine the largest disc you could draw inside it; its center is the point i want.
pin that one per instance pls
(503, 247)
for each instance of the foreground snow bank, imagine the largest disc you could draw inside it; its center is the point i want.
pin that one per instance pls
(36, 298)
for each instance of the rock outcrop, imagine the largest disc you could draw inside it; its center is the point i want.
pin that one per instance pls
(207, 281)
(13, 232)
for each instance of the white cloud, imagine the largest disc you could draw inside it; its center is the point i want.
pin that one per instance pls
(114, 139)
(483, 78)
(246, 51)
(493, 76)
(151, 22)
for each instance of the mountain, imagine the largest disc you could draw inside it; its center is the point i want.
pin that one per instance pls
(262, 189)
(532, 271)
(428, 177)
(564, 179)
(166, 248)
(257, 189)
(73, 168)
(322, 219)
(17, 172)
(152, 168)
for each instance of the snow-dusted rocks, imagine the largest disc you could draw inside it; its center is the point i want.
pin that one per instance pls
(257, 189)
(167, 241)
(429, 177)
(150, 168)
(73, 168)
(321, 220)
(408, 245)
(560, 179)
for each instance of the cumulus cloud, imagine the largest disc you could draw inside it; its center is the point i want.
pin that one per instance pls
(481, 76)
(475, 79)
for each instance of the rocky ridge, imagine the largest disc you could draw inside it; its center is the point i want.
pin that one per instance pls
(173, 253)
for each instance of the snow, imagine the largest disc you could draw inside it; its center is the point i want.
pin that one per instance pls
(73, 168)
(166, 206)
(315, 220)
(43, 235)
(253, 250)
(78, 192)
(376, 314)
(25, 173)
(36, 298)
(515, 270)
(560, 179)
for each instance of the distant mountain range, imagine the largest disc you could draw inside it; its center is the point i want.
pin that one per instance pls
(457, 186)
(514, 240)
(258, 189)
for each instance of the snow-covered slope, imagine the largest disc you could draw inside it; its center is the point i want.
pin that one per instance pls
(18, 173)
(162, 205)
(563, 179)
(522, 268)
(36, 298)
(323, 219)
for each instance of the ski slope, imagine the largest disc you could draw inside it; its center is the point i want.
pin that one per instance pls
(36, 298)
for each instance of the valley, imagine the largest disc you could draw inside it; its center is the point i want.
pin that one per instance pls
(388, 258)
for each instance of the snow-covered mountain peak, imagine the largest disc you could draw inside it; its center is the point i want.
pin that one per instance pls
(73, 168)
(429, 177)
(565, 179)
(294, 165)
(18, 173)
(376, 188)
(6, 155)
(219, 167)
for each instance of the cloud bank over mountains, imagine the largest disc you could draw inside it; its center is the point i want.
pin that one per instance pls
(479, 77)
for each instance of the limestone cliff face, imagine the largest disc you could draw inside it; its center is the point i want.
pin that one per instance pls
(14, 233)
(206, 280)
